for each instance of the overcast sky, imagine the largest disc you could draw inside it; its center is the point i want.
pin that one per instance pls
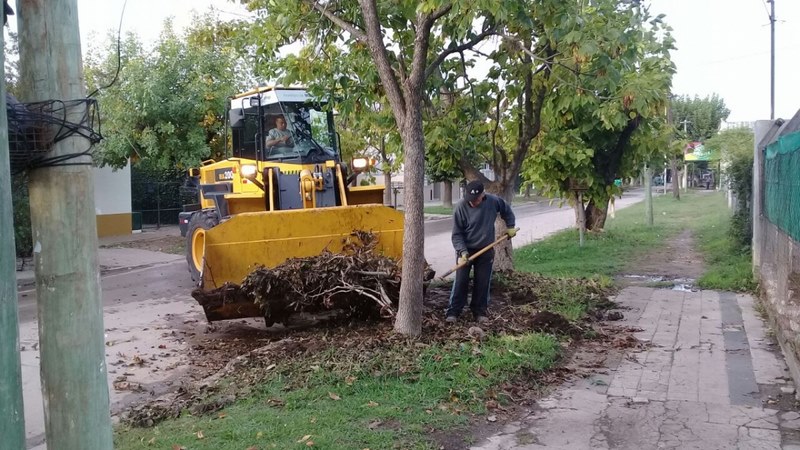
(723, 45)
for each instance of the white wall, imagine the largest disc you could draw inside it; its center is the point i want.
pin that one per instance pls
(112, 190)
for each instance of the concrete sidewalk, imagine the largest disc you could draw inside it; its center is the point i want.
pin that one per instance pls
(114, 258)
(708, 378)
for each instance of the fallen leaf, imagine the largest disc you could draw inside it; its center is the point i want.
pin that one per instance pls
(310, 444)
(222, 415)
(162, 346)
(491, 404)
(259, 435)
(252, 448)
(372, 404)
(482, 372)
(271, 366)
(374, 424)
(349, 380)
(334, 396)
(178, 447)
(200, 435)
(313, 420)
(492, 418)
(304, 438)
(151, 441)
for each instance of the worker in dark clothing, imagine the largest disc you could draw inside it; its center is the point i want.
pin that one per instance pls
(473, 229)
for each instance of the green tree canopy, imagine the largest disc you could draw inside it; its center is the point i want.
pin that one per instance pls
(699, 117)
(607, 116)
(166, 108)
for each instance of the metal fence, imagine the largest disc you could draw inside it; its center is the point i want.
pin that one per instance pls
(160, 202)
(782, 184)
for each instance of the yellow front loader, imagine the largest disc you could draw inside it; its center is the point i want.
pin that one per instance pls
(283, 194)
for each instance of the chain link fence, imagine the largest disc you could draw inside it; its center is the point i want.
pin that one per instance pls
(159, 202)
(782, 184)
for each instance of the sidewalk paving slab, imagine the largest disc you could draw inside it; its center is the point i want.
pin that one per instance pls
(709, 379)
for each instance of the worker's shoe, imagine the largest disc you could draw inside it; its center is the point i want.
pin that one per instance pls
(451, 319)
(481, 319)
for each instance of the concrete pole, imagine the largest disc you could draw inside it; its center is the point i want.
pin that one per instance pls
(73, 367)
(648, 194)
(12, 417)
(760, 130)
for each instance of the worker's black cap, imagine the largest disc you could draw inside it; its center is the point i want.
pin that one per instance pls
(474, 190)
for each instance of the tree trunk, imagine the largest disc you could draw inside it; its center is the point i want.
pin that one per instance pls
(503, 252)
(528, 190)
(596, 212)
(387, 191)
(676, 190)
(409, 314)
(447, 194)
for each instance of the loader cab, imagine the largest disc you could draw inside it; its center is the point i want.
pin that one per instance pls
(282, 125)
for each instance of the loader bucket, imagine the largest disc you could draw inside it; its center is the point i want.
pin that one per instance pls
(248, 240)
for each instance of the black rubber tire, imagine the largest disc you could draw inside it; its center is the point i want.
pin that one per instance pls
(205, 220)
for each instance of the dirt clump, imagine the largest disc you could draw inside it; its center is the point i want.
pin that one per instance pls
(550, 322)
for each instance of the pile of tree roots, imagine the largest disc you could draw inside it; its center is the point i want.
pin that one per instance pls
(358, 283)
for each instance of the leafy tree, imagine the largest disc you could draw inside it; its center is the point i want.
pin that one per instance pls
(699, 117)
(405, 43)
(735, 146)
(166, 108)
(607, 116)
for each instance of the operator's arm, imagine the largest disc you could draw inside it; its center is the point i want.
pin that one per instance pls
(274, 139)
(459, 232)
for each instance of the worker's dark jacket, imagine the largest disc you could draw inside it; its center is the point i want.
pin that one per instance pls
(473, 228)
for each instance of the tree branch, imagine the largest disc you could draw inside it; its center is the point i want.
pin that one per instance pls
(457, 49)
(421, 43)
(533, 108)
(374, 38)
(341, 23)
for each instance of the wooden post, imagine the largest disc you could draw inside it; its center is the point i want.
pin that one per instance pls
(12, 417)
(648, 194)
(73, 368)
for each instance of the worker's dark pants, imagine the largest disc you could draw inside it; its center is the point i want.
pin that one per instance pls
(480, 286)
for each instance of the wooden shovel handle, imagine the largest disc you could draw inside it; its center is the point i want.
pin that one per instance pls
(475, 255)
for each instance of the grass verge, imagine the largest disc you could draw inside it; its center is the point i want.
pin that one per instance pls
(627, 239)
(441, 210)
(728, 267)
(392, 402)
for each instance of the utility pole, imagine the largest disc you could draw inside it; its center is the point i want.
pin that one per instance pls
(12, 417)
(73, 367)
(676, 191)
(772, 60)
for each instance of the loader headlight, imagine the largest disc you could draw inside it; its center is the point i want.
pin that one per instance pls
(360, 164)
(249, 171)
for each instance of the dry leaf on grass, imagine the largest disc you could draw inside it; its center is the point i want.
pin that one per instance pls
(334, 396)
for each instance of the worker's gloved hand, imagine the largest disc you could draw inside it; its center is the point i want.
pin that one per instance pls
(511, 232)
(464, 258)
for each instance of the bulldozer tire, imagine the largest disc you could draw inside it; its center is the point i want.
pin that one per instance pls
(195, 240)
